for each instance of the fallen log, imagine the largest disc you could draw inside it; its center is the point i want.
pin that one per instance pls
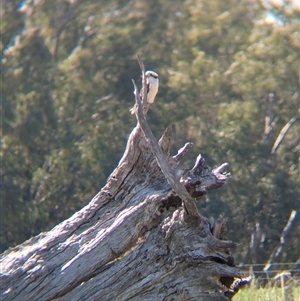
(140, 238)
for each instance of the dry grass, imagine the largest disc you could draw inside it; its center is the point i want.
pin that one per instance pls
(268, 294)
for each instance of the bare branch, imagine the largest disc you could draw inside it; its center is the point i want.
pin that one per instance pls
(277, 253)
(175, 160)
(169, 173)
(283, 132)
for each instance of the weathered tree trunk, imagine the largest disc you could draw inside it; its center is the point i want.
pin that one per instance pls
(140, 238)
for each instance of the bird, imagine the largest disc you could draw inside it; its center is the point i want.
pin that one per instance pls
(152, 83)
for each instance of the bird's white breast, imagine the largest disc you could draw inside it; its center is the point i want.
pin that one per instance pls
(153, 89)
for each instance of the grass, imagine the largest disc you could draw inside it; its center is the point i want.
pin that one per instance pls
(268, 294)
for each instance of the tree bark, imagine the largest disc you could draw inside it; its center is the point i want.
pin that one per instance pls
(140, 238)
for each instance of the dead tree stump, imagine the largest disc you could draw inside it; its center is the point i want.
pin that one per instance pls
(140, 238)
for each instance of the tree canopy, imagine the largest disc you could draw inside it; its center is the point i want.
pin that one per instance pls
(229, 83)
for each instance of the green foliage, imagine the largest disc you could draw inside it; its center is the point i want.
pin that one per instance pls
(225, 74)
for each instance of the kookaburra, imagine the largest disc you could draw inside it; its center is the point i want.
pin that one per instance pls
(152, 85)
(152, 88)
